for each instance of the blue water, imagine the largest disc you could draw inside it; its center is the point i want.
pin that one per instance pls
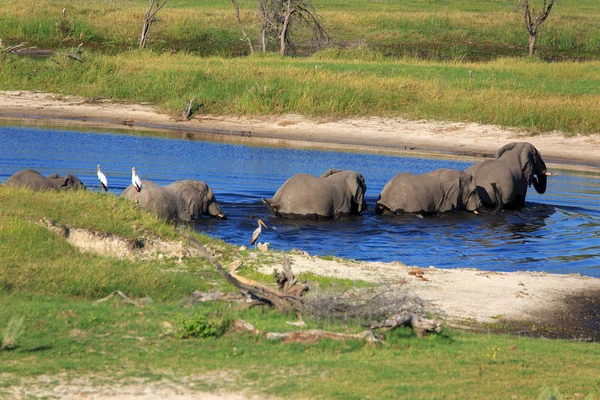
(556, 232)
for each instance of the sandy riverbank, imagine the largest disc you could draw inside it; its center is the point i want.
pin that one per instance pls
(387, 135)
(459, 294)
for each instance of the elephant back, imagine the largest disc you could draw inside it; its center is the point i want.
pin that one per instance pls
(155, 199)
(30, 179)
(197, 199)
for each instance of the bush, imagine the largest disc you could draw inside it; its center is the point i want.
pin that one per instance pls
(201, 327)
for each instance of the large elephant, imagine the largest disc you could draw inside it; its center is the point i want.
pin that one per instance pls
(438, 191)
(515, 167)
(182, 200)
(35, 181)
(335, 194)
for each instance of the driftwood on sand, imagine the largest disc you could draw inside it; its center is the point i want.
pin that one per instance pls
(286, 299)
(289, 298)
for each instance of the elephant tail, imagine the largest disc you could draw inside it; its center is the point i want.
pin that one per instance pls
(269, 204)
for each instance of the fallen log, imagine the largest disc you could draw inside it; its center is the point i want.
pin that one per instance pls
(421, 326)
(311, 335)
(283, 301)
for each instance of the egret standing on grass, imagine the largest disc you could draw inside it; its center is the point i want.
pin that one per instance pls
(102, 179)
(257, 232)
(135, 179)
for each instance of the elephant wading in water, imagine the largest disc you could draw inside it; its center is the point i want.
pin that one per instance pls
(35, 181)
(516, 167)
(182, 200)
(438, 191)
(335, 194)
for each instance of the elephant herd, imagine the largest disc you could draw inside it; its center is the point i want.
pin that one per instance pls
(486, 187)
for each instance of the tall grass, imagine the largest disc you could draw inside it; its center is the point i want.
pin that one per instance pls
(423, 28)
(525, 93)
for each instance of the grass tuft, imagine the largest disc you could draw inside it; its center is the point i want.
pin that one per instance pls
(11, 333)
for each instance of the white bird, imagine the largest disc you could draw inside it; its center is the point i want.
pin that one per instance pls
(102, 179)
(257, 232)
(135, 179)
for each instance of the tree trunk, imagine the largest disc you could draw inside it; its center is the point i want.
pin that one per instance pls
(239, 19)
(532, 39)
(283, 35)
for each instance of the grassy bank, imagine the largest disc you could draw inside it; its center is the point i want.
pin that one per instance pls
(383, 60)
(52, 285)
(526, 93)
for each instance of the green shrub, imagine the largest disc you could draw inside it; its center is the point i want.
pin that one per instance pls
(201, 327)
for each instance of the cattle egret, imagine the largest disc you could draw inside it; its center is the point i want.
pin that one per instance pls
(102, 179)
(135, 179)
(257, 232)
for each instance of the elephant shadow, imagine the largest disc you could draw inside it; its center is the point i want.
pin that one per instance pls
(523, 223)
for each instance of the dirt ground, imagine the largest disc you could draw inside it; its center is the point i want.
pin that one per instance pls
(525, 303)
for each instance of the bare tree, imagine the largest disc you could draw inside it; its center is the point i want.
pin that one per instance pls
(532, 25)
(279, 17)
(292, 12)
(239, 19)
(150, 18)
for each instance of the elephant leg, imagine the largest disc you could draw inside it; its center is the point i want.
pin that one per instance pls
(517, 203)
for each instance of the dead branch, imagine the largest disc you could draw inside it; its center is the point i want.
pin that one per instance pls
(149, 19)
(127, 299)
(532, 25)
(250, 288)
(421, 326)
(311, 335)
(217, 295)
(188, 110)
(286, 280)
(12, 49)
(239, 19)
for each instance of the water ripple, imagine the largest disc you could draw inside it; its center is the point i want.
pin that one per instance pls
(556, 232)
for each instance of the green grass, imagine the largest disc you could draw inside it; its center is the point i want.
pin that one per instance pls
(524, 93)
(115, 342)
(429, 29)
(373, 67)
(52, 286)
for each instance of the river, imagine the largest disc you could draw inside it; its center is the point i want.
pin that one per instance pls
(556, 232)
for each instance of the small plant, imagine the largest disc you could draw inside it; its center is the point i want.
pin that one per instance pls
(200, 327)
(11, 334)
(550, 394)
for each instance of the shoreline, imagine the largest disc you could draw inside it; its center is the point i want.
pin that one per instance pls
(391, 136)
(461, 295)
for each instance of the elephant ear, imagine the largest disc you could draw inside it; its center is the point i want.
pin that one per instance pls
(505, 148)
(453, 185)
(528, 160)
(330, 171)
(356, 184)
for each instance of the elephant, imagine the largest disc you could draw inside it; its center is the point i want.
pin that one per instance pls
(184, 200)
(438, 191)
(37, 182)
(516, 166)
(335, 194)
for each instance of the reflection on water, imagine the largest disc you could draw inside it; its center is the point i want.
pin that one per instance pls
(556, 232)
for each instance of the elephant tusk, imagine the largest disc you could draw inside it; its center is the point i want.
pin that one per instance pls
(476, 212)
(220, 215)
(547, 173)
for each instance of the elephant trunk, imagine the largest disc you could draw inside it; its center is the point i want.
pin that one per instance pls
(215, 210)
(497, 208)
(539, 182)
